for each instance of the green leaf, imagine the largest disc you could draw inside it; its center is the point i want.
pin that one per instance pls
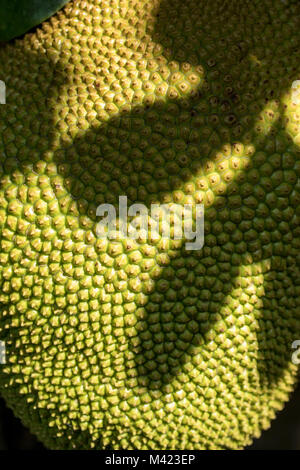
(19, 16)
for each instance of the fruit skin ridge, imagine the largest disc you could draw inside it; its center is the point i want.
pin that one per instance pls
(140, 344)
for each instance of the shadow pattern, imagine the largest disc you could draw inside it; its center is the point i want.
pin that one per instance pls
(228, 142)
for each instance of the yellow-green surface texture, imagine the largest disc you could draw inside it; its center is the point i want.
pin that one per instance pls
(142, 344)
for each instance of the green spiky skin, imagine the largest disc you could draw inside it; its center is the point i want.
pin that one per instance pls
(18, 16)
(142, 344)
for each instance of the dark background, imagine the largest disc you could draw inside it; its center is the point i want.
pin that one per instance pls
(284, 433)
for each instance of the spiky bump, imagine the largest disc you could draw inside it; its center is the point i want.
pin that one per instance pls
(142, 344)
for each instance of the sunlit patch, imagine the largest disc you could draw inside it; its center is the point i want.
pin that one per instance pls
(296, 92)
(267, 118)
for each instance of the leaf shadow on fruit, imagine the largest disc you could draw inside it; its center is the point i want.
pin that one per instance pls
(189, 301)
(250, 226)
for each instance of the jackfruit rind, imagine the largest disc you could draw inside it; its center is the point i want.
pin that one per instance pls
(131, 344)
(18, 16)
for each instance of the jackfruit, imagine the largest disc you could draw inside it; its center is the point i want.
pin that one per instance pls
(19, 16)
(144, 344)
